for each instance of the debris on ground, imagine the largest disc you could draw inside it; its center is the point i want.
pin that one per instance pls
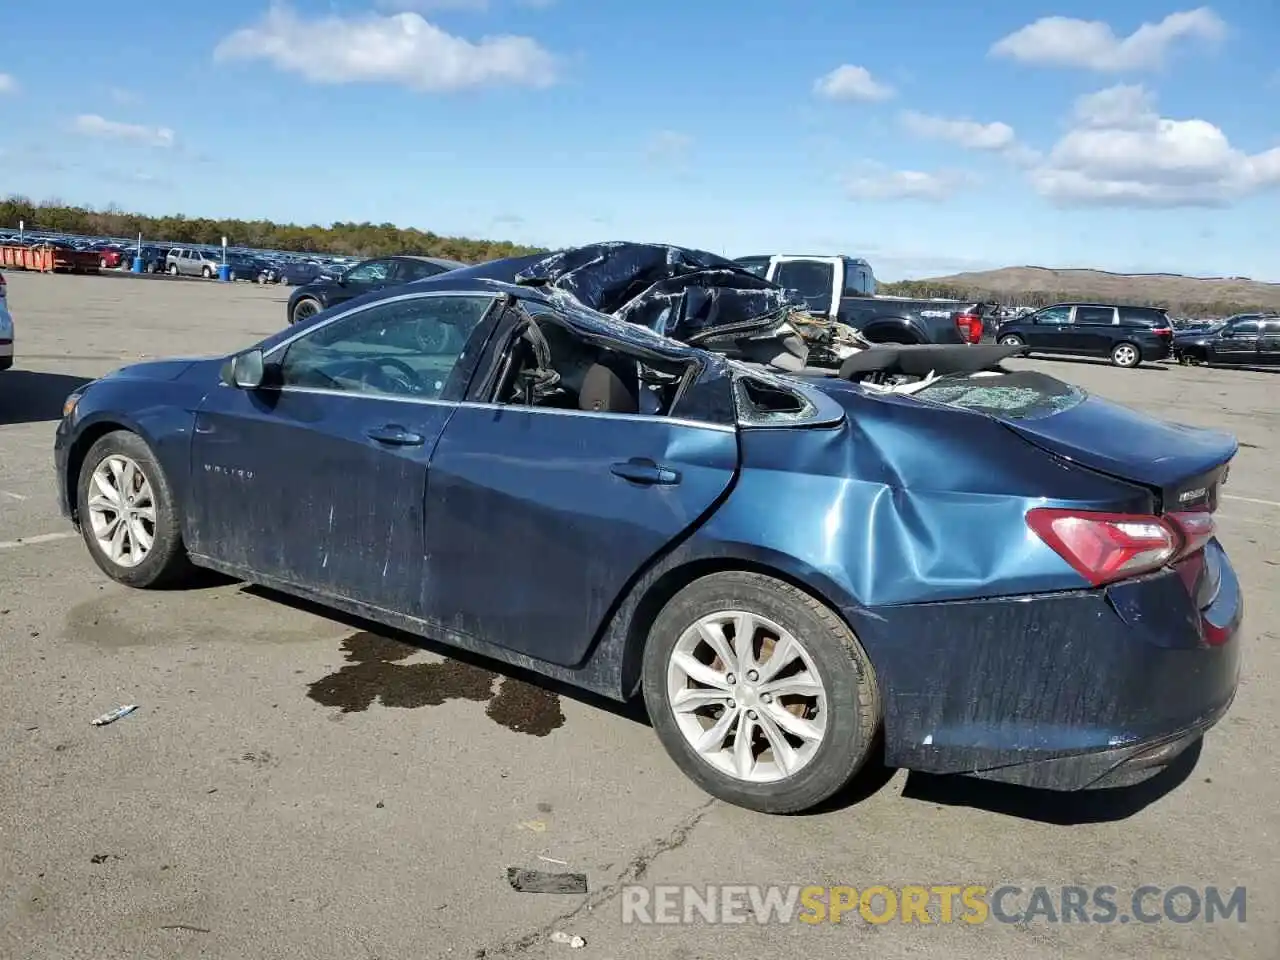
(574, 942)
(541, 881)
(114, 715)
(563, 863)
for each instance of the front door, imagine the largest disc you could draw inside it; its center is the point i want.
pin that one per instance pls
(1047, 329)
(1237, 343)
(318, 479)
(539, 519)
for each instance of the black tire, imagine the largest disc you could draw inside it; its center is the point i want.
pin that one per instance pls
(1012, 340)
(1127, 355)
(304, 309)
(173, 269)
(206, 272)
(167, 562)
(852, 696)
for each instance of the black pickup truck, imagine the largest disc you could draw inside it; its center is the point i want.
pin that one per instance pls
(844, 290)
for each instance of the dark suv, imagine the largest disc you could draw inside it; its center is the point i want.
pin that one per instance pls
(1128, 335)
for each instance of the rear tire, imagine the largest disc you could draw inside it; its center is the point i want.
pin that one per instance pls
(143, 548)
(829, 706)
(1126, 355)
(1012, 340)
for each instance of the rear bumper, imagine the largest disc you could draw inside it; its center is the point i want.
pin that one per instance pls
(1093, 688)
(1161, 350)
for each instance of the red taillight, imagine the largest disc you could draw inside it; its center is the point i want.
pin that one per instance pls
(1195, 529)
(969, 326)
(1105, 547)
(1164, 331)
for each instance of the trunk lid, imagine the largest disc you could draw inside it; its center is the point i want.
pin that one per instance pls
(1184, 465)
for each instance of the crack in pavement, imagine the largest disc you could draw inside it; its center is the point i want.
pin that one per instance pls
(636, 868)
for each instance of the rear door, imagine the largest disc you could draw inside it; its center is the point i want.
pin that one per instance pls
(1092, 332)
(539, 517)
(1269, 342)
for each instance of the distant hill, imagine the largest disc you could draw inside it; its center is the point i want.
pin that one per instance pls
(1034, 286)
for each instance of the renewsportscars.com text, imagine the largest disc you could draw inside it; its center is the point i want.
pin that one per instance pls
(941, 903)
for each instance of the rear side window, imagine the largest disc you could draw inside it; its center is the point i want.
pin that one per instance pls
(1143, 317)
(1095, 315)
(859, 281)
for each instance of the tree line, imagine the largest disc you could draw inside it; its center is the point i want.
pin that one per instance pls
(1177, 307)
(384, 239)
(344, 239)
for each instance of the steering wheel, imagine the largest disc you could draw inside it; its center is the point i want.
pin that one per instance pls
(399, 373)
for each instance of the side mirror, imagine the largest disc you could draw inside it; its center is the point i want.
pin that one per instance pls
(1227, 333)
(245, 371)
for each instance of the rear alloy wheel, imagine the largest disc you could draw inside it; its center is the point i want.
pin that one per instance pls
(1012, 340)
(126, 512)
(304, 309)
(1126, 355)
(759, 692)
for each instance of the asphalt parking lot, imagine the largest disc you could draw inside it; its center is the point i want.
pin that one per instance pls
(300, 784)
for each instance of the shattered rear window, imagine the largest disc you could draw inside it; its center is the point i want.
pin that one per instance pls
(1024, 395)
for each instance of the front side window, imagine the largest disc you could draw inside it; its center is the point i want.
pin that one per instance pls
(1053, 315)
(404, 348)
(374, 271)
(1241, 328)
(810, 279)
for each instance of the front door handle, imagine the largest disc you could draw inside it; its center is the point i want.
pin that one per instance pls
(395, 435)
(644, 470)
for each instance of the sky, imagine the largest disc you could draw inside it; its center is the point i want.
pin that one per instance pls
(928, 136)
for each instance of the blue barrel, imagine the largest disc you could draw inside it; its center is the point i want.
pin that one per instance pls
(138, 265)
(224, 272)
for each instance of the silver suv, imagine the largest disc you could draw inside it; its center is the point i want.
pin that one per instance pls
(191, 263)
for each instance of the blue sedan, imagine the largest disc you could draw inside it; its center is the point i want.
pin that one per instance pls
(923, 556)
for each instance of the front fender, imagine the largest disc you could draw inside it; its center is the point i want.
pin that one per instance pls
(161, 412)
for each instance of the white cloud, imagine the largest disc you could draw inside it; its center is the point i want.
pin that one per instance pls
(424, 6)
(92, 125)
(876, 183)
(1093, 45)
(1121, 152)
(669, 145)
(848, 82)
(969, 134)
(403, 49)
(7, 83)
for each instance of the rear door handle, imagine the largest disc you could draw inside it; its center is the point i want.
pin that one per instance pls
(394, 435)
(643, 470)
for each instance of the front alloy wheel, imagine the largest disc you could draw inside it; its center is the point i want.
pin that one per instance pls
(126, 512)
(122, 511)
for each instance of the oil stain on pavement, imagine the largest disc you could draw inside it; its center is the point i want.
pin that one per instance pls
(375, 673)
